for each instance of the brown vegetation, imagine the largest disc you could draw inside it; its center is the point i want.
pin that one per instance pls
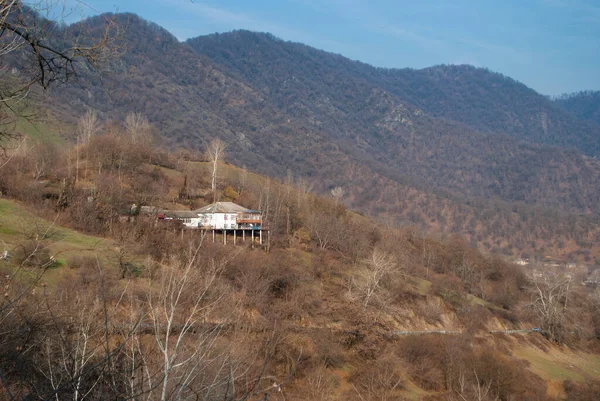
(167, 314)
(318, 312)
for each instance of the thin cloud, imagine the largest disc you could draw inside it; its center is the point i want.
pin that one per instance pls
(233, 19)
(238, 20)
(362, 13)
(215, 14)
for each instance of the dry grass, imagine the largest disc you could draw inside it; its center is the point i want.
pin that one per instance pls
(560, 364)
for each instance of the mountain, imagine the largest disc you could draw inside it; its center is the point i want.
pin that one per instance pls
(477, 97)
(398, 115)
(585, 105)
(102, 298)
(345, 309)
(451, 148)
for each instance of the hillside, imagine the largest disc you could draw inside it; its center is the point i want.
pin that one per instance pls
(286, 107)
(585, 105)
(338, 307)
(476, 97)
(107, 295)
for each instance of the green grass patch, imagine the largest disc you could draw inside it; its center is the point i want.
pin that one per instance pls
(37, 130)
(18, 224)
(559, 365)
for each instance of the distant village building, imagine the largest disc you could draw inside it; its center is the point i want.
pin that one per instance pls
(522, 261)
(593, 279)
(571, 265)
(220, 217)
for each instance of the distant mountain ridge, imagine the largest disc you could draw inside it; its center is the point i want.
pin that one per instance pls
(380, 111)
(412, 146)
(584, 104)
(482, 99)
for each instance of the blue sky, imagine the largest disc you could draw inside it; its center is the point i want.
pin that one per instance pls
(553, 46)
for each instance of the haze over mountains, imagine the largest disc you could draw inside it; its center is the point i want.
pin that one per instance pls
(455, 148)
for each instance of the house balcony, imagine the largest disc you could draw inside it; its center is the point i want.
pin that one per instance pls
(249, 221)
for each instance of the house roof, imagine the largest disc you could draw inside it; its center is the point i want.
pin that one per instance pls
(149, 209)
(224, 207)
(180, 214)
(219, 207)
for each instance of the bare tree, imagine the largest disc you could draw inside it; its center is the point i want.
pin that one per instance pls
(265, 201)
(180, 306)
(44, 159)
(468, 274)
(478, 391)
(304, 189)
(43, 53)
(321, 384)
(137, 127)
(87, 126)
(338, 193)
(215, 152)
(378, 381)
(323, 227)
(242, 180)
(549, 301)
(370, 276)
(74, 351)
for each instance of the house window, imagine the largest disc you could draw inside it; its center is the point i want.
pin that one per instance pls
(225, 217)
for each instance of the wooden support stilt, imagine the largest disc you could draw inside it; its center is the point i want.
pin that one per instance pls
(224, 237)
(260, 237)
(252, 238)
(234, 236)
(213, 236)
(244, 235)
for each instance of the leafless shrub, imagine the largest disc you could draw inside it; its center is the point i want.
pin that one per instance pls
(586, 391)
(431, 311)
(321, 384)
(33, 253)
(77, 262)
(450, 289)
(378, 380)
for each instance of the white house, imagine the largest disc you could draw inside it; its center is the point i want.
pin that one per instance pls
(217, 216)
(521, 262)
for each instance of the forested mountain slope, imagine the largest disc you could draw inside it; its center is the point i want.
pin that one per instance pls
(286, 107)
(103, 298)
(477, 97)
(334, 306)
(585, 104)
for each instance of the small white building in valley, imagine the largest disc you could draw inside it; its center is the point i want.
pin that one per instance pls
(217, 216)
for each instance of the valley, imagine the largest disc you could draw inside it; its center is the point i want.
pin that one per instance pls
(335, 122)
(237, 217)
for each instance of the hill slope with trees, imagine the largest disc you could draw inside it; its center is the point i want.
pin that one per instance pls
(103, 301)
(334, 307)
(286, 107)
(477, 97)
(585, 104)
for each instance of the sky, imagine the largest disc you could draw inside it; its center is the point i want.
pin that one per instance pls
(552, 46)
